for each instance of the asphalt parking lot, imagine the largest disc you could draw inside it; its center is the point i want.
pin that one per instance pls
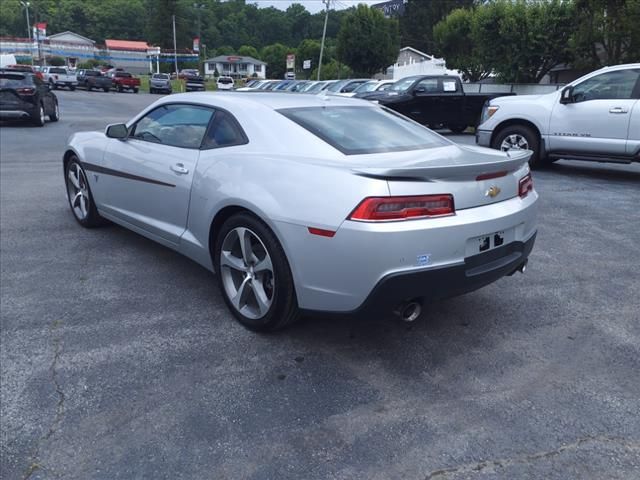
(119, 359)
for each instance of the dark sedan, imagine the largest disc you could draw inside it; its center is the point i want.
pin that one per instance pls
(23, 96)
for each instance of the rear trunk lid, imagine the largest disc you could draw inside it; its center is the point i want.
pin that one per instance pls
(475, 176)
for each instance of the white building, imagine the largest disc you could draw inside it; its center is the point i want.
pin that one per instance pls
(414, 62)
(235, 66)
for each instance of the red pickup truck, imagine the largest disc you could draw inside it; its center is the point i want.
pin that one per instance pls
(125, 81)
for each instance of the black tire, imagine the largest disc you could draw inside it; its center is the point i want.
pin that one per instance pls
(52, 85)
(93, 218)
(457, 128)
(106, 89)
(283, 309)
(55, 115)
(531, 138)
(120, 89)
(89, 88)
(135, 90)
(72, 88)
(152, 91)
(38, 119)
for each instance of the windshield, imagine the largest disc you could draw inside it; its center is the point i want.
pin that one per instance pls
(402, 85)
(160, 76)
(12, 80)
(335, 87)
(360, 130)
(367, 87)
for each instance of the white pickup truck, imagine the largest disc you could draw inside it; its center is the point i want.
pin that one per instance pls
(594, 118)
(59, 77)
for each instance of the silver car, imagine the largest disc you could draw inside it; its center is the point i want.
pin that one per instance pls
(305, 203)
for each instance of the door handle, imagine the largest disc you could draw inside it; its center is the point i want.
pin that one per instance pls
(179, 168)
(617, 110)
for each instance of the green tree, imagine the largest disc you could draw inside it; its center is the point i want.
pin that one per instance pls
(276, 58)
(416, 25)
(332, 70)
(367, 41)
(606, 32)
(520, 40)
(56, 61)
(299, 22)
(248, 51)
(224, 50)
(454, 40)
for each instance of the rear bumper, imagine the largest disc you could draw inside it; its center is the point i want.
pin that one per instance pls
(436, 284)
(14, 114)
(483, 138)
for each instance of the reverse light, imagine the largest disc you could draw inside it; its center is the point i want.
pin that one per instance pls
(377, 209)
(525, 186)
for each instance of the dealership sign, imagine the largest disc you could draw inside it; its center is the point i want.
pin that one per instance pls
(196, 44)
(392, 8)
(291, 61)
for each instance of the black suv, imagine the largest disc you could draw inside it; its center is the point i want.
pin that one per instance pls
(23, 96)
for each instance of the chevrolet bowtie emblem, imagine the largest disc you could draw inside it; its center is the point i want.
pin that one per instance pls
(493, 191)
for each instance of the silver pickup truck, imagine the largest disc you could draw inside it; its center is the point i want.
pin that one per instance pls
(59, 77)
(594, 118)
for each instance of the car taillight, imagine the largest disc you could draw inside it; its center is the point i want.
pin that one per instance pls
(525, 186)
(26, 91)
(375, 209)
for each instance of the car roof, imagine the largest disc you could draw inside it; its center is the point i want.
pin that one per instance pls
(274, 101)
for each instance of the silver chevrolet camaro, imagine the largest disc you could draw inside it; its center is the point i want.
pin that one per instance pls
(303, 203)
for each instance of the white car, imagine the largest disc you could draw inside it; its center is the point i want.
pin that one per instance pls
(307, 203)
(225, 83)
(594, 118)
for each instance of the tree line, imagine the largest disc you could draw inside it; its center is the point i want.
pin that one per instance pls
(517, 40)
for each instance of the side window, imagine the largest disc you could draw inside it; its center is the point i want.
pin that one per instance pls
(176, 125)
(224, 132)
(428, 85)
(611, 85)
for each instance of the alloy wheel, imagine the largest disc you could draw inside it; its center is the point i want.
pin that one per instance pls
(42, 119)
(247, 273)
(515, 141)
(78, 191)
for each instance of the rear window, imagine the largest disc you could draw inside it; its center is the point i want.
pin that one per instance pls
(13, 80)
(160, 76)
(57, 70)
(361, 130)
(91, 73)
(225, 80)
(123, 75)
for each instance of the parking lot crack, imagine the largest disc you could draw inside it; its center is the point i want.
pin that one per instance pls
(35, 464)
(529, 458)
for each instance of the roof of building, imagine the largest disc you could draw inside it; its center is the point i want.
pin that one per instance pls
(415, 50)
(126, 45)
(68, 32)
(235, 59)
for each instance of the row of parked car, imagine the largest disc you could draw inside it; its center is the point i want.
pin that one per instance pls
(354, 87)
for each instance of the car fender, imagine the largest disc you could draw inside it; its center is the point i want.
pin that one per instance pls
(535, 109)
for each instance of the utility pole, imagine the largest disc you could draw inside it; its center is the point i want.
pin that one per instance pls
(175, 47)
(198, 7)
(324, 34)
(26, 9)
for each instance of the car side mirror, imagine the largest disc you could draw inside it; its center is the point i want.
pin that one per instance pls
(117, 130)
(566, 96)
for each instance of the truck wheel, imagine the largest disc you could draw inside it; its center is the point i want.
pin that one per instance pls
(55, 115)
(72, 88)
(519, 137)
(120, 89)
(135, 90)
(457, 128)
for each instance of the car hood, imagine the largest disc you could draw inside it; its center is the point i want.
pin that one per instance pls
(520, 98)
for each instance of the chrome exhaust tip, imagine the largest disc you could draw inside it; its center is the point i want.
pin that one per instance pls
(409, 312)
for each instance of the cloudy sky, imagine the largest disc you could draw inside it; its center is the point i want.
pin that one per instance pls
(312, 5)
